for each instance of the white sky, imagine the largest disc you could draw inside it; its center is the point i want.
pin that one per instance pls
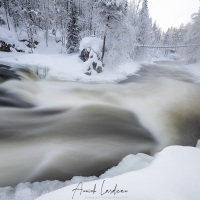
(169, 13)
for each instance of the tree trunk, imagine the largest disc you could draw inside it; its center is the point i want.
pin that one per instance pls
(104, 47)
(6, 10)
(104, 40)
(47, 24)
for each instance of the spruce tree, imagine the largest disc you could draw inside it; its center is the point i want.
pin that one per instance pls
(73, 28)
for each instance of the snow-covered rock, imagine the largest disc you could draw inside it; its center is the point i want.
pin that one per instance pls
(90, 53)
(94, 43)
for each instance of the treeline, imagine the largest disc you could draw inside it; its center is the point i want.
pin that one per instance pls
(121, 24)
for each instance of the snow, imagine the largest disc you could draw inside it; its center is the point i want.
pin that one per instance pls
(30, 191)
(174, 174)
(7, 36)
(59, 64)
(96, 44)
(67, 67)
(198, 144)
(171, 174)
(11, 37)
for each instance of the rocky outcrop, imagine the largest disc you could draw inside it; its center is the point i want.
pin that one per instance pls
(2, 22)
(5, 47)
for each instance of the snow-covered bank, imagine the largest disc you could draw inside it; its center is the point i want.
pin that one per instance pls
(30, 191)
(174, 175)
(70, 67)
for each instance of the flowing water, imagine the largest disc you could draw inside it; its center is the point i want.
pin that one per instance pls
(52, 130)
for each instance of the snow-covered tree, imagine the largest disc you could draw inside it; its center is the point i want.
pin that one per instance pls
(193, 39)
(73, 29)
(121, 24)
(156, 34)
(156, 40)
(2, 21)
(61, 14)
(5, 4)
(144, 25)
(112, 15)
(144, 30)
(89, 16)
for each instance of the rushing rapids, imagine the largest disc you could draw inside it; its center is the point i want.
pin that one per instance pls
(52, 130)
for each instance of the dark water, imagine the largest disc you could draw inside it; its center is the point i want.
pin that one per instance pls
(56, 130)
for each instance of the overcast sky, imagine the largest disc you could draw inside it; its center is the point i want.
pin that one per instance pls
(169, 13)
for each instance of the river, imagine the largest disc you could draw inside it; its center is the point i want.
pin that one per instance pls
(53, 130)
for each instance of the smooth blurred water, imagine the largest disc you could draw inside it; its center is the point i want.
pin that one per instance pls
(51, 130)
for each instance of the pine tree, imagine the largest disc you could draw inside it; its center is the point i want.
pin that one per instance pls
(73, 29)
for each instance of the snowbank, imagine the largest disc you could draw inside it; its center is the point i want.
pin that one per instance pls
(28, 191)
(69, 67)
(174, 175)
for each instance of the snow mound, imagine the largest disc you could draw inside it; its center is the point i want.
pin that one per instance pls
(174, 175)
(96, 44)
